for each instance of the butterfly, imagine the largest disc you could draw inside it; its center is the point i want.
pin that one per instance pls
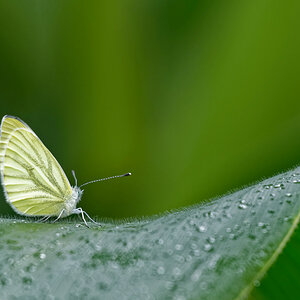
(34, 183)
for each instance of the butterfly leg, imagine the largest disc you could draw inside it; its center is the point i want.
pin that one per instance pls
(81, 212)
(91, 218)
(43, 219)
(59, 216)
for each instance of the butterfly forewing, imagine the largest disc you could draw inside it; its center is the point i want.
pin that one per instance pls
(33, 180)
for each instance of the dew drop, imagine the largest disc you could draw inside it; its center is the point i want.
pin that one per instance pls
(194, 246)
(160, 270)
(169, 285)
(256, 283)
(208, 247)
(232, 236)
(196, 275)
(203, 285)
(160, 241)
(179, 258)
(242, 206)
(202, 228)
(27, 280)
(178, 247)
(42, 256)
(192, 222)
(176, 272)
(211, 240)
(288, 194)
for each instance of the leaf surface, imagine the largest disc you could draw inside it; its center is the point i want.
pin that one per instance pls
(217, 250)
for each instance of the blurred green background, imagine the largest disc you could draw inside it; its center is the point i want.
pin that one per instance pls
(195, 98)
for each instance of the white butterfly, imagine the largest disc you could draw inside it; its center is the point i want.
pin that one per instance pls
(33, 181)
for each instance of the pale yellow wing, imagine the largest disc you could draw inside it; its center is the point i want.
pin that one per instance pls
(33, 181)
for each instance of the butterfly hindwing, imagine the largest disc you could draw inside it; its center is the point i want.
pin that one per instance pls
(33, 180)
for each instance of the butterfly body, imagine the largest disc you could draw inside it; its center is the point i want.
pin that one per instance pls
(71, 202)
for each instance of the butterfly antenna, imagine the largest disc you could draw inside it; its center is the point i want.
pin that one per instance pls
(112, 177)
(73, 173)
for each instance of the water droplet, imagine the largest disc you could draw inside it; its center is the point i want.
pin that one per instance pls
(242, 206)
(196, 252)
(169, 285)
(256, 283)
(160, 241)
(208, 247)
(228, 229)
(192, 222)
(202, 228)
(196, 275)
(30, 268)
(176, 272)
(178, 247)
(179, 258)
(42, 256)
(288, 194)
(211, 240)
(236, 227)
(140, 264)
(262, 253)
(203, 285)
(194, 246)
(160, 270)
(232, 236)
(27, 280)
(267, 186)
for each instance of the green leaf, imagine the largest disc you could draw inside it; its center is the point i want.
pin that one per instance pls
(217, 250)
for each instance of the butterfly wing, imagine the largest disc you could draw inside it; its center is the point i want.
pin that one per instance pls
(33, 181)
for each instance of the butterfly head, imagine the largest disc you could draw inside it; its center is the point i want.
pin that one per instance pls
(76, 194)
